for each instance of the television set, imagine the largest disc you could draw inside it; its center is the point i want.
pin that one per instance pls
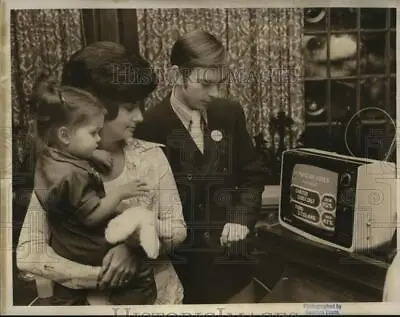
(345, 202)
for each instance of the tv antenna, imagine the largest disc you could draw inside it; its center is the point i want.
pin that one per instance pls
(391, 147)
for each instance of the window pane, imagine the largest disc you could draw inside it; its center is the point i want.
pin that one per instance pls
(369, 134)
(373, 93)
(343, 99)
(343, 55)
(371, 143)
(343, 18)
(315, 55)
(373, 18)
(376, 140)
(393, 98)
(351, 138)
(393, 18)
(314, 19)
(315, 101)
(318, 137)
(393, 52)
(373, 47)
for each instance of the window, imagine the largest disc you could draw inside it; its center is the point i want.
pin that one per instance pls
(350, 71)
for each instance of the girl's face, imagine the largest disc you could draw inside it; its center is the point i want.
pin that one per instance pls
(83, 140)
(122, 127)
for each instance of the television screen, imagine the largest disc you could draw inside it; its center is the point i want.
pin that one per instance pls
(313, 196)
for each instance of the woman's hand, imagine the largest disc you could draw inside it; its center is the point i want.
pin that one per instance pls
(119, 266)
(135, 188)
(103, 160)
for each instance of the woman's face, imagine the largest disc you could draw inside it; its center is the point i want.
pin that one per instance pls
(123, 126)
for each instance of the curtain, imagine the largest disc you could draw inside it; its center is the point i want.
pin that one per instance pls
(41, 40)
(264, 56)
(116, 25)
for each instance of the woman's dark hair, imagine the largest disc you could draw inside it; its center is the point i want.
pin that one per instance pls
(111, 73)
(197, 49)
(57, 105)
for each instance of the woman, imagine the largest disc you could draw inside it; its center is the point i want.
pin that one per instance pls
(96, 68)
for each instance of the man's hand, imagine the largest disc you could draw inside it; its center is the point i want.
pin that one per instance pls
(233, 232)
(119, 266)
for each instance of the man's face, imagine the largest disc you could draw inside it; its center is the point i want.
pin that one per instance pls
(202, 85)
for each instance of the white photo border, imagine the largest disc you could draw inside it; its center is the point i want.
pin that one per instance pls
(6, 266)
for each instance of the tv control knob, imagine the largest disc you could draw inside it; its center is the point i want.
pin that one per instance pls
(345, 179)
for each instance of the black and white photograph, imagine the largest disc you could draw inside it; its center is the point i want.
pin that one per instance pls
(228, 157)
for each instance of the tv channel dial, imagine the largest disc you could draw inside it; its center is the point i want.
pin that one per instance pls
(345, 179)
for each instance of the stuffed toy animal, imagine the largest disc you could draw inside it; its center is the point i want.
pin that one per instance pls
(139, 220)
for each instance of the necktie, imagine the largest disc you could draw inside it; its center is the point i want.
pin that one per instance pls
(196, 130)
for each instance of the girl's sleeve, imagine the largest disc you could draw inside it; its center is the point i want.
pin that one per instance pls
(171, 223)
(78, 193)
(34, 254)
(79, 188)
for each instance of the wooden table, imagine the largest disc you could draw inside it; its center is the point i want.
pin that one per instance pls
(318, 273)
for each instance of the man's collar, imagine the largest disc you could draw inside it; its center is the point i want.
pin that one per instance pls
(183, 111)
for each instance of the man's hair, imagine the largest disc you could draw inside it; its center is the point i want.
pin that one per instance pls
(57, 105)
(197, 49)
(111, 73)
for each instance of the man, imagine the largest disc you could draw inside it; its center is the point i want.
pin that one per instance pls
(217, 171)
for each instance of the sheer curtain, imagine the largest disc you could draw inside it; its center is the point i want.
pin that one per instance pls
(264, 54)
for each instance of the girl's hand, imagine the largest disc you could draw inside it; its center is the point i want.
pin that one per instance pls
(103, 160)
(119, 267)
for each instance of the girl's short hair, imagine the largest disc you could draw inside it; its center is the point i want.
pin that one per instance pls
(197, 49)
(111, 73)
(57, 105)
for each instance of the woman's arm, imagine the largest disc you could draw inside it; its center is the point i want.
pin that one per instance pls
(35, 255)
(171, 224)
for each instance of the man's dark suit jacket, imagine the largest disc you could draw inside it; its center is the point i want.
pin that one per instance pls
(223, 185)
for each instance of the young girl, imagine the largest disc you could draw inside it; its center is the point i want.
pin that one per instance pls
(71, 191)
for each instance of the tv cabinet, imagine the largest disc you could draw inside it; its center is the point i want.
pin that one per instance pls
(317, 273)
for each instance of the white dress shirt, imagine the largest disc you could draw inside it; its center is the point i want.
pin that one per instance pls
(193, 120)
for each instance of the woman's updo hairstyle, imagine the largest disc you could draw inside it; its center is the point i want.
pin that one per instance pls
(111, 73)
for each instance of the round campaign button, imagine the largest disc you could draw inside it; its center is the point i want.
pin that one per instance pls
(216, 135)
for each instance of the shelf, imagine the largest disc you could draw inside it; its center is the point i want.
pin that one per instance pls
(364, 271)
(366, 76)
(347, 31)
(336, 123)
